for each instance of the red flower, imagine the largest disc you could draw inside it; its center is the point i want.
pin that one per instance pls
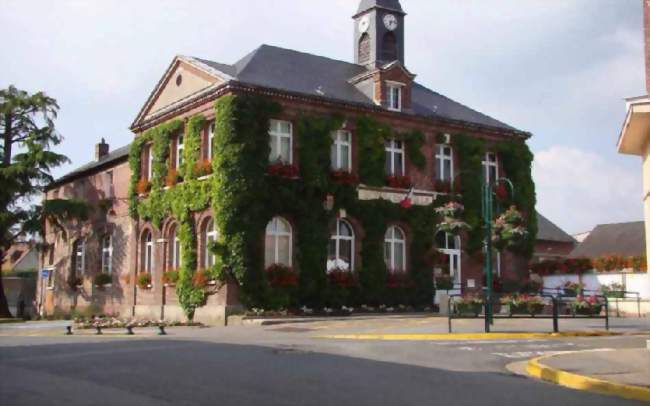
(399, 182)
(283, 170)
(344, 177)
(406, 203)
(281, 276)
(501, 191)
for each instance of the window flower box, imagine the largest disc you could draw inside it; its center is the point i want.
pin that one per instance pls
(173, 177)
(202, 168)
(442, 186)
(398, 182)
(143, 186)
(144, 281)
(103, 280)
(281, 276)
(170, 278)
(344, 177)
(282, 169)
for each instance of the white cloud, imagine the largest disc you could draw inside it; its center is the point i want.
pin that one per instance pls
(579, 189)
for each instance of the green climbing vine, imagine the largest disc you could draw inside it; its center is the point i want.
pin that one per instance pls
(244, 197)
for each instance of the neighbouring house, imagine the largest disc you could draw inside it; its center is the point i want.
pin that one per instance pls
(552, 242)
(621, 239)
(19, 277)
(634, 138)
(288, 179)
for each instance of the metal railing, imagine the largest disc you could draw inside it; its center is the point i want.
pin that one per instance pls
(555, 302)
(559, 292)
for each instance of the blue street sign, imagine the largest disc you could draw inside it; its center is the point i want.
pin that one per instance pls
(45, 273)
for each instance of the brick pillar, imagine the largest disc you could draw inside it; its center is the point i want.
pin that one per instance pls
(646, 36)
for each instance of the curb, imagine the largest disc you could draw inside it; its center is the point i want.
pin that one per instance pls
(466, 336)
(586, 383)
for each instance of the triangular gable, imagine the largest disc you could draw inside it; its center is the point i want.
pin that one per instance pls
(184, 77)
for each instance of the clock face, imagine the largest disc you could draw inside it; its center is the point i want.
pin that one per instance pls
(390, 21)
(364, 23)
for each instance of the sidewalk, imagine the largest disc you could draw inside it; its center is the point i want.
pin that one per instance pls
(622, 372)
(626, 366)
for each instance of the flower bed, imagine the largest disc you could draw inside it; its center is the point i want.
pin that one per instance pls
(84, 323)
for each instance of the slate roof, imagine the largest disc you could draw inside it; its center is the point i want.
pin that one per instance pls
(388, 4)
(111, 158)
(293, 71)
(627, 239)
(548, 231)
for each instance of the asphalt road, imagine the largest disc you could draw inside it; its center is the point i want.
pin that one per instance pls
(281, 365)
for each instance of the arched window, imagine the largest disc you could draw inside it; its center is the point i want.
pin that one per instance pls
(395, 249)
(341, 247)
(209, 234)
(79, 256)
(278, 242)
(175, 253)
(146, 249)
(389, 47)
(107, 254)
(449, 245)
(364, 49)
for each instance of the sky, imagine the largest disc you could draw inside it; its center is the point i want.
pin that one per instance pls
(556, 68)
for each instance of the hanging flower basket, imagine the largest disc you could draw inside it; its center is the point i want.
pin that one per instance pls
(508, 230)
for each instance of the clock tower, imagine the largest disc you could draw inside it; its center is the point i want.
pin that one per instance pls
(379, 33)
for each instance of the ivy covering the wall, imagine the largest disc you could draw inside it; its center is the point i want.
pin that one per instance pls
(371, 136)
(244, 198)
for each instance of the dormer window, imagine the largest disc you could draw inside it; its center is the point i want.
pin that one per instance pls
(394, 96)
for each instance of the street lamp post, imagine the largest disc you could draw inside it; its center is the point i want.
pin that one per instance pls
(488, 210)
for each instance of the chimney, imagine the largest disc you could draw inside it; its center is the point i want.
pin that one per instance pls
(101, 150)
(646, 36)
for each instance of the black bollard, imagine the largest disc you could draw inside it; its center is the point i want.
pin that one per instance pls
(161, 331)
(129, 330)
(68, 330)
(99, 331)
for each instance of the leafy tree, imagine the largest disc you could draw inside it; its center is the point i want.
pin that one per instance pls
(27, 133)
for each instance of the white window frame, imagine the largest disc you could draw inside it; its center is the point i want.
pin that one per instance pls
(150, 162)
(338, 144)
(490, 160)
(440, 160)
(276, 136)
(211, 129)
(80, 257)
(175, 251)
(107, 254)
(337, 237)
(275, 234)
(454, 255)
(180, 146)
(148, 264)
(391, 149)
(391, 238)
(395, 95)
(211, 234)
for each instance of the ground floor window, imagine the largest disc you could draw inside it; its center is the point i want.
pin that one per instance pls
(340, 253)
(449, 244)
(395, 249)
(278, 240)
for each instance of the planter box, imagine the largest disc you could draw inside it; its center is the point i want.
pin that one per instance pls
(469, 309)
(615, 294)
(589, 311)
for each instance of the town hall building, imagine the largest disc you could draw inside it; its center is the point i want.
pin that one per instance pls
(287, 180)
